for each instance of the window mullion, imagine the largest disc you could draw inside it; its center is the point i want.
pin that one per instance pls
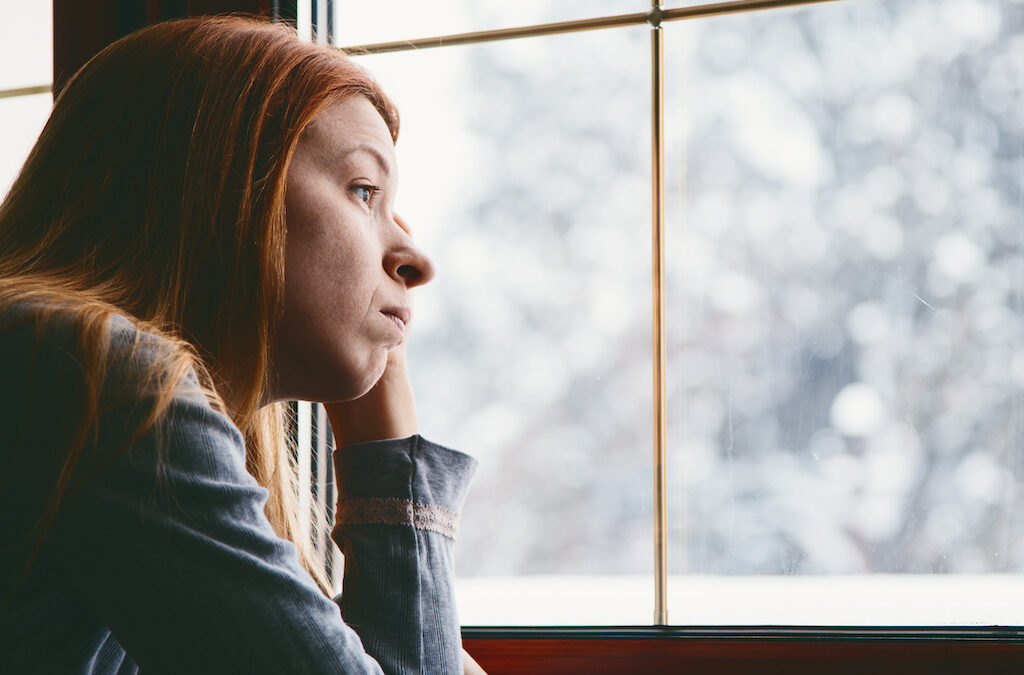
(658, 312)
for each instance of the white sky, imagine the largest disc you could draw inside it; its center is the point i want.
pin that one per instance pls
(26, 60)
(26, 43)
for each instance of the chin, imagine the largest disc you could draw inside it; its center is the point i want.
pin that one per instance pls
(352, 383)
(330, 380)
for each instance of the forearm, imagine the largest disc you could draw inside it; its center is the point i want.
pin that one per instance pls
(399, 503)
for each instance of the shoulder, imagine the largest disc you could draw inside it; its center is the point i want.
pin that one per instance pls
(101, 403)
(97, 343)
(60, 327)
(67, 369)
(41, 357)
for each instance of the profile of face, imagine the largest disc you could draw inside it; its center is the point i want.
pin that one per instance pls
(350, 263)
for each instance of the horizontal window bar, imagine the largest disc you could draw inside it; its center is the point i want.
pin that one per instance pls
(654, 17)
(958, 634)
(26, 91)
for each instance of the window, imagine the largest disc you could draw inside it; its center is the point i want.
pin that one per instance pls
(531, 349)
(842, 203)
(26, 66)
(845, 279)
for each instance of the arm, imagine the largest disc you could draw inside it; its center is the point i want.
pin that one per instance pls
(177, 558)
(168, 546)
(398, 508)
(396, 523)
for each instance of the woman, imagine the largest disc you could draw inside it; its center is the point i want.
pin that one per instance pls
(203, 230)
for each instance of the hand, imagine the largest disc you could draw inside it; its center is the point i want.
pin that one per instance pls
(388, 410)
(469, 666)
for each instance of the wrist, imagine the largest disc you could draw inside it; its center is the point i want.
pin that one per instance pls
(388, 410)
(351, 426)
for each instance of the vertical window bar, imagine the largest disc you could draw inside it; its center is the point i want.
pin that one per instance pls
(285, 11)
(304, 19)
(304, 468)
(315, 490)
(323, 442)
(317, 481)
(658, 311)
(330, 21)
(334, 560)
(322, 25)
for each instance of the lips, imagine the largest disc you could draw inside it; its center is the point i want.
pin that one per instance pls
(401, 315)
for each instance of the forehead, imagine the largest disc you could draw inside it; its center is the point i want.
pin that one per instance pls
(351, 127)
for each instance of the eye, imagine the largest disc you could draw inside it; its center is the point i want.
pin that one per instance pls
(364, 192)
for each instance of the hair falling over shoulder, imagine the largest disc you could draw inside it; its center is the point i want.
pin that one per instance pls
(156, 191)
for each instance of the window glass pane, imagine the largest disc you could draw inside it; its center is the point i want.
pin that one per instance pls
(26, 44)
(23, 118)
(26, 60)
(525, 175)
(846, 278)
(363, 21)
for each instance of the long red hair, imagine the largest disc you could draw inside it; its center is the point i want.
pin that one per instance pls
(156, 190)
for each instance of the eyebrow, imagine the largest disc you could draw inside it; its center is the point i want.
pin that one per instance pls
(385, 166)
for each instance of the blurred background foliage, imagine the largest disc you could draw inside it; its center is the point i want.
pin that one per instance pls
(845, 270)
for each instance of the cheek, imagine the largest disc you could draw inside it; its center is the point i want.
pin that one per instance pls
(330, 350)
(328, 346)
(320, 258)
(336, 277)
(328, 328)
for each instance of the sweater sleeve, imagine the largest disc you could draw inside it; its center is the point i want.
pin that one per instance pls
(169, 545)
(398, 511)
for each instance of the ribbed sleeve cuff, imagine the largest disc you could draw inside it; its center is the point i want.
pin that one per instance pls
(404, 481)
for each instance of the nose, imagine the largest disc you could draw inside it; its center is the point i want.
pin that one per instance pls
(406, 262)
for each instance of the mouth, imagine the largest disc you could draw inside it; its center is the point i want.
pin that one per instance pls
(400, 316)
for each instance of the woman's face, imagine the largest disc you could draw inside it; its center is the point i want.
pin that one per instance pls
(350, 262)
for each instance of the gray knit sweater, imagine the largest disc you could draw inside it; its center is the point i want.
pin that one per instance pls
(172, 566)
